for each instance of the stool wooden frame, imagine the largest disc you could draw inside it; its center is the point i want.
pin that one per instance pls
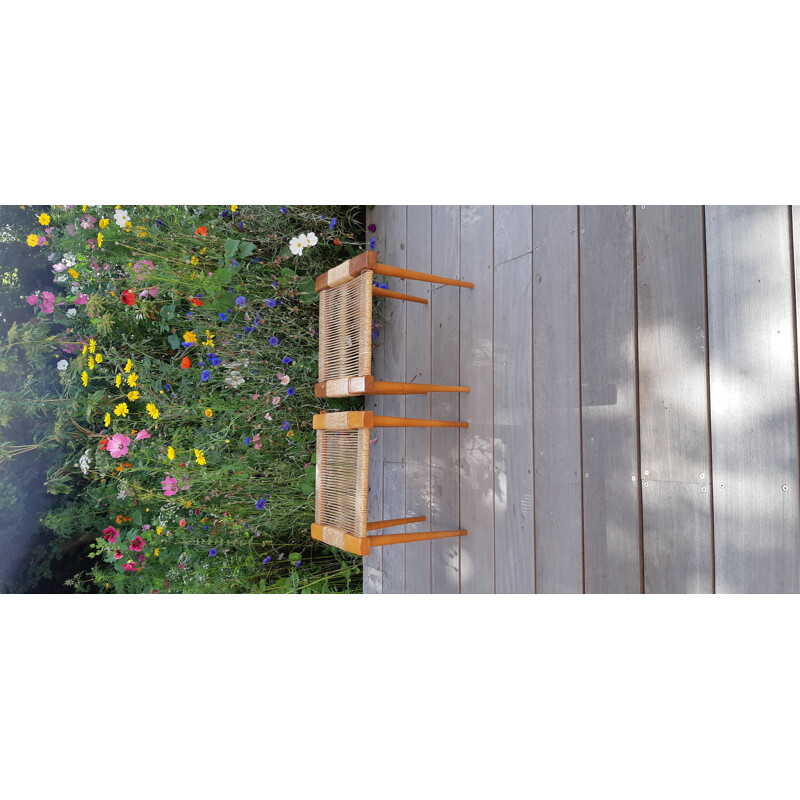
(342, 482)
(345, 328)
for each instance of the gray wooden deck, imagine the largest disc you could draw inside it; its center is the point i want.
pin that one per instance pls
(633, 408)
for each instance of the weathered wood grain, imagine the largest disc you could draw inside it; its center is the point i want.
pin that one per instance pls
(513, 427)
(373, 563)
(556, 403)
(609, 417)
(394, 364)
(673, 399)
(512, 232)
(753, 386)
(477, 441)
(444, 310)
(418, 369)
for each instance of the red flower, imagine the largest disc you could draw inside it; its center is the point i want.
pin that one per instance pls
(103, 444)
(137, 544)
(202, 230)
(195, 302)
(128, 297)
(185, 362)
(336, 241)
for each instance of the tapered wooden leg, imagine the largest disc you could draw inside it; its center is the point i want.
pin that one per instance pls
(404, 422)
(391, 387)
(390, 523)
(399, 272)
(397, 295)
(400, 538)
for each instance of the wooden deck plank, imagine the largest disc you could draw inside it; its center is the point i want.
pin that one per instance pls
(477, 441)
(610, 457)
(373, 563)
(418, 368)
(394, 364)
(753, 399)
(673, 394)
(556, 403)
(445, 301)
(512, 232)
(513, 426)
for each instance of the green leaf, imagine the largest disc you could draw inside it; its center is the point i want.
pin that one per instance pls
(223, 275)
(174, 341)
(231, 246)
(136, 517)
(98, 395)
(307, 488)
(295, 557)
(288, 273)
(245, 248)
(313, 458)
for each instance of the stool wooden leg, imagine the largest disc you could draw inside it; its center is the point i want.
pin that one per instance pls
(390, 523)
(392, 387)
(400, 538)
(403, 422)
(399, 272)
(397, 295)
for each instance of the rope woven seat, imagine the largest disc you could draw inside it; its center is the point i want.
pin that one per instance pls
(342, 482)
(345, 328)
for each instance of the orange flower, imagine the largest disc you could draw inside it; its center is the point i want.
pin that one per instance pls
(195, 302)
(185, 362)
(202, 230)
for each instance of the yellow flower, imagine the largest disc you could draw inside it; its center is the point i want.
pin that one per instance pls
(209, 412)
(152, 410)
(91, 362)
(209, 338)
(159, 530)
(128, 366)
(233, 208)
(170, 453)
(121, 409)
(85, 378)
(155, 552)
(190, 336)
(203, 251)
(92, 345)
(142, 232)
(199, 457)
(290, 434)
(128, 225)
(194, 260)
(132, 378)
(98, 359)
(133, 395)
(103, 223)
(107, 419)
(85, 348)
(32, 240)
(99, 239)
(44, 219)
(83, 209)
(118, 380)
(74, 273)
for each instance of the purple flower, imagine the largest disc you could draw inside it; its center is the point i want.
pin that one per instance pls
(223, 316)
(267, 560)
(212, 551)
(240, 301)
(261, 504)
(372, 229)
(333, 222)
(273, 340)
(287, 360)
(205, 375)
(271, 303)
(290, 392)
(298, 563)
(286, 425)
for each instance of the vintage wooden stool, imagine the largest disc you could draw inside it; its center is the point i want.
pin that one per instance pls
(343, 482)
(345, 328)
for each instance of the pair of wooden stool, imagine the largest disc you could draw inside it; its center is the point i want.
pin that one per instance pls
(345, 367)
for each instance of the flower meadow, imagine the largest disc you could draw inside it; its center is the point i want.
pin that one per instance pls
(173, 359)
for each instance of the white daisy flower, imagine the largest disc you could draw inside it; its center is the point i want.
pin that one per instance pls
(69, 260)
(71, 312)
(62, 365)
(84, 462)
(311, 238)
(296, 246)
(121, 217)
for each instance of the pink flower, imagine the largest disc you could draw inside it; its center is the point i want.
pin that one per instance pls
(170, 486)
(137, 544)
(268, 416)
(32, 300)
(181, 566)
(81, 299)
(129, 567)
(257, 446)
(152, 291)
(275, 400)
(110, 534)
(145, 527)
(182, 523)
(142, 435)
(118, 554)
(42, 241)
(284, 378)
(118, 445)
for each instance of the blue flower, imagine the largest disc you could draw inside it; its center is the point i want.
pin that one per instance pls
(275, 284)
(283, 209)
(290, 392)
(186, 344)
(191, 527)
(249, 329)
(247, 440)
(261, 504)
(166, 385)
(235, 264)
(159, 222)
(267, 560)
(333, 222)
(212, 551)
(384, 286)
(286, 425)
(298, 563)
(273, 340)
(240, 300)
(223, 316)
(205, 528)
(225, 213)
(201, 363)
(258, 260)
(215, 360)
(189, 314)
(372, 243)
(240, 225)
(287, 360)
(271, 302)
(205, 375)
